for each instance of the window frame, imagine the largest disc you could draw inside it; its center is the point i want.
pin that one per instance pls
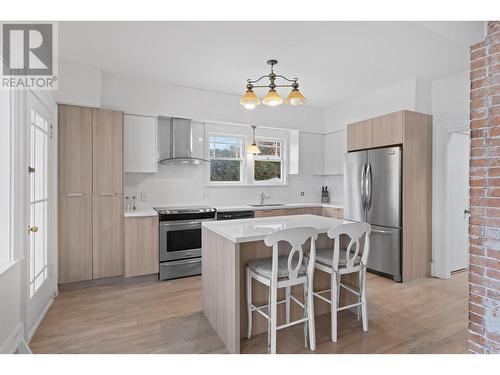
(281, 159)
(241, 159)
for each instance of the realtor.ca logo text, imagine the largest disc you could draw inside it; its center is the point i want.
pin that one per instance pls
(29, 56)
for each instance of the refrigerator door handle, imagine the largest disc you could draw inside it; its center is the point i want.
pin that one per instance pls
(363, 182)
(368, 182)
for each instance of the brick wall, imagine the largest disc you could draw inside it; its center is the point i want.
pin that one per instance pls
(484, 225)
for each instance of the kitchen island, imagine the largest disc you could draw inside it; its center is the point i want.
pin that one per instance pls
(227, 247)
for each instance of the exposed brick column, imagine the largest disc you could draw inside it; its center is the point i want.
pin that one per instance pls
(484, 224)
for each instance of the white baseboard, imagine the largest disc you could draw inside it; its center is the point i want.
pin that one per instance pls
(34, 327)
(14, 340)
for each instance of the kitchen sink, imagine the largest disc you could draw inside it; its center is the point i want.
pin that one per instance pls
(266, 204)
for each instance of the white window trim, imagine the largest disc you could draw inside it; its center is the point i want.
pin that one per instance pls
(282, 159)
(242, 159)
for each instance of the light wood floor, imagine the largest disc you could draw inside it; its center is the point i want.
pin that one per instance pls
(147, 316)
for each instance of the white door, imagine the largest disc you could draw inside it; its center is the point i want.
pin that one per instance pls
(457, 194)
(40, 206)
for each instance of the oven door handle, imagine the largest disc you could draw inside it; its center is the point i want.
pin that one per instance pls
(189, 224)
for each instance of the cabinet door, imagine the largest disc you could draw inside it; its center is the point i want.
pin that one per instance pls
(360, 135)
(75, 237)
(139, 144)
(140, 245)
(107, 254)
(341, 150)
(311, 154)
(75, 149)
(388, 130)
(107, 151)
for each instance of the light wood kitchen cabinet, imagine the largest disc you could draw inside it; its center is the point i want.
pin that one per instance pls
(288, 211)
(140, 245)
(335, 148)
(75, 237)
(311, 154)
(75, 149)
(140, 144)
(388, 129)
(107, 253)
(90, 193)
(107, 141)
(360, 135)
(411, 131)
(337, 213)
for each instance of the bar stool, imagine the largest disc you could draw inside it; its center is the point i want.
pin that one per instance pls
(283, 271)
(338, 262)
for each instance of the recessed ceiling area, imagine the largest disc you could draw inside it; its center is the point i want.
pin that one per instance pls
(334, 61)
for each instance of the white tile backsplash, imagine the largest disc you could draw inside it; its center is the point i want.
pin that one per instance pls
(185, 185)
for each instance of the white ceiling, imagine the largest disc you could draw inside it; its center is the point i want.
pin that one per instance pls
(334, 61)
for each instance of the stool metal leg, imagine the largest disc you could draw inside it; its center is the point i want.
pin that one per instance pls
(335, 282)
(310, 315)
(249, 303)
(288, 291)
(306, 336)
(364, 312)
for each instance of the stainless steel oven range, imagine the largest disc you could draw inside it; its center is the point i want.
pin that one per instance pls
(180, 240)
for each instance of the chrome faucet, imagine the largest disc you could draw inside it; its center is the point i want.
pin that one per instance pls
(263, 196)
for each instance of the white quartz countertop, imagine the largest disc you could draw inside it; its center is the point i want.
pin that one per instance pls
(281, 206)
(144, 212)
(140, 212)
(248, 230)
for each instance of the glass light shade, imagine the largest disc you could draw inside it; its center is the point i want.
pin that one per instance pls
(295, 98)
(249, 100)
(253, 149)
(272, 99)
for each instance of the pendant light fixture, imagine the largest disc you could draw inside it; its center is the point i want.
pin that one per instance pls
(253, 148)
(249, 100)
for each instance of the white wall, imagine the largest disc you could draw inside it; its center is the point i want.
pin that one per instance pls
(5, 175)
(78, 85)
(148, 97)
(450, 110)
(402, 95)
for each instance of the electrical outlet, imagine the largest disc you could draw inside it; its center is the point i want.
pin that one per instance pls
(302, 193)
(143, 196)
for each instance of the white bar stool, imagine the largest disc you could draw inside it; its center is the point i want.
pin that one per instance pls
(338, 262)
(283, 271)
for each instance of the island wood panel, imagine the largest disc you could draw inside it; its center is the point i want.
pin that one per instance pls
(221, 292)
(140, 245)
(288, 211)
(417, 196)
(388, 129)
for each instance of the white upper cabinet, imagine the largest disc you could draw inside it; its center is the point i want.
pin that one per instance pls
(311, 154)
(335, 147)
(140, 144)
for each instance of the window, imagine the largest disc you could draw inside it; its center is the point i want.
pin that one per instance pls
(268, 165)
(226, 158)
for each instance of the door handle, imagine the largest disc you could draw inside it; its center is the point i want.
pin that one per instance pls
(33, 229)
(74, 195)
(105, 194)
(466, 212)
(363, 180)
(380, 231)
(368, 190)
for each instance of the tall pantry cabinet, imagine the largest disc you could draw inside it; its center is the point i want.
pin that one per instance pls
(90, 193)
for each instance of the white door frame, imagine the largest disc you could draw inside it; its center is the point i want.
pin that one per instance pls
(20, 192)
(441, 261)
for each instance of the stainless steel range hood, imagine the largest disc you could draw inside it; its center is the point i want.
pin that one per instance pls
(181, 143)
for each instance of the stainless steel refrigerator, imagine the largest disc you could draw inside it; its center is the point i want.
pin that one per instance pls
(372, 193)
